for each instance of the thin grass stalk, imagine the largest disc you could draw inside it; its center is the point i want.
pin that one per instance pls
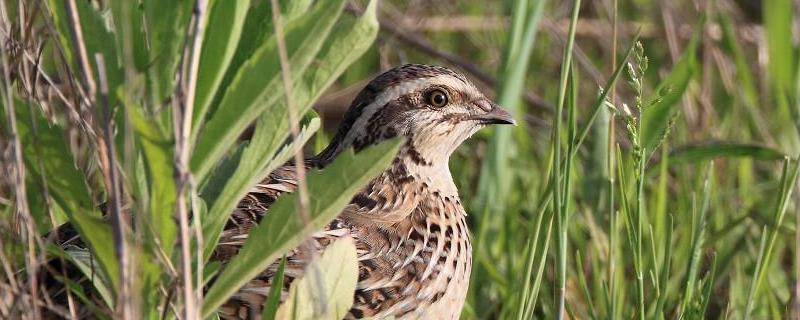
(639, 228)
(664, 275)
(529, 254)
(612, 227)
(124, 296)
(654, 270)
(182, 123)
(31, 88)
(796, 289)
(709, 285)
(748, 309)
(300, 169)
(540, 270)
(527, 301)
(571, 102)
(600, 102)
(612, 220)
(698, 234)
(584, 287)
(558, 175)
(22, 211)
(89, 88)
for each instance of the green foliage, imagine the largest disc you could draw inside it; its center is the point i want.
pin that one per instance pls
(49, 162)
(219, 46)
(149, 44)
(252, 90)
(676, 207)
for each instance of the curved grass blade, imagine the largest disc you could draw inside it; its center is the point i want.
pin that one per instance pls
(709, 151)
(219, 46)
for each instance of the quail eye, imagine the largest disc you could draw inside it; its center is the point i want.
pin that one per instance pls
(437, 98)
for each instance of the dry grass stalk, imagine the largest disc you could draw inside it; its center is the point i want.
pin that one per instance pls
(22, 213)
(182, 124)
(300, 169)
(118, 222)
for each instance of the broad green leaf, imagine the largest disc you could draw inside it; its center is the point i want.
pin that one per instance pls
(158, 159)
(708, 151)
(258, 24)
(291, 9)
(155, 193)
(67, 185)
(310, 127)
(128, 23)
(221, 39)
(347, 42)
(337, 270)
(657, 114)
(166, 23)
(253, 89)
(329, 191)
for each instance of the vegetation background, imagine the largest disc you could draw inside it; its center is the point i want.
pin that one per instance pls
(650, 177)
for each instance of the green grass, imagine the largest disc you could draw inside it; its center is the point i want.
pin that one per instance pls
(659, 186)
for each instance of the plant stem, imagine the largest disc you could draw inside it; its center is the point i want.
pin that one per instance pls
(182, 124)
(124, 296)
(17, 171)
(300, 168)
(612, 219)
(561, 215)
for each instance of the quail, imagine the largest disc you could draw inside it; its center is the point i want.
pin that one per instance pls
(408, 223)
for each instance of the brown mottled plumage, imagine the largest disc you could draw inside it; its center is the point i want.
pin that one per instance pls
(408, 223)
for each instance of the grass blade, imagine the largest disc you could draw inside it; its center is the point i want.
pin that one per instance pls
(712, 150)
(219, 46)
(274, 298)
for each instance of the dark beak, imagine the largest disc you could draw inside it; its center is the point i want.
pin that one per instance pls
(494, 114)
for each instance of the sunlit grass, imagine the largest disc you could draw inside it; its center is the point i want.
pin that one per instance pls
(671, 200)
